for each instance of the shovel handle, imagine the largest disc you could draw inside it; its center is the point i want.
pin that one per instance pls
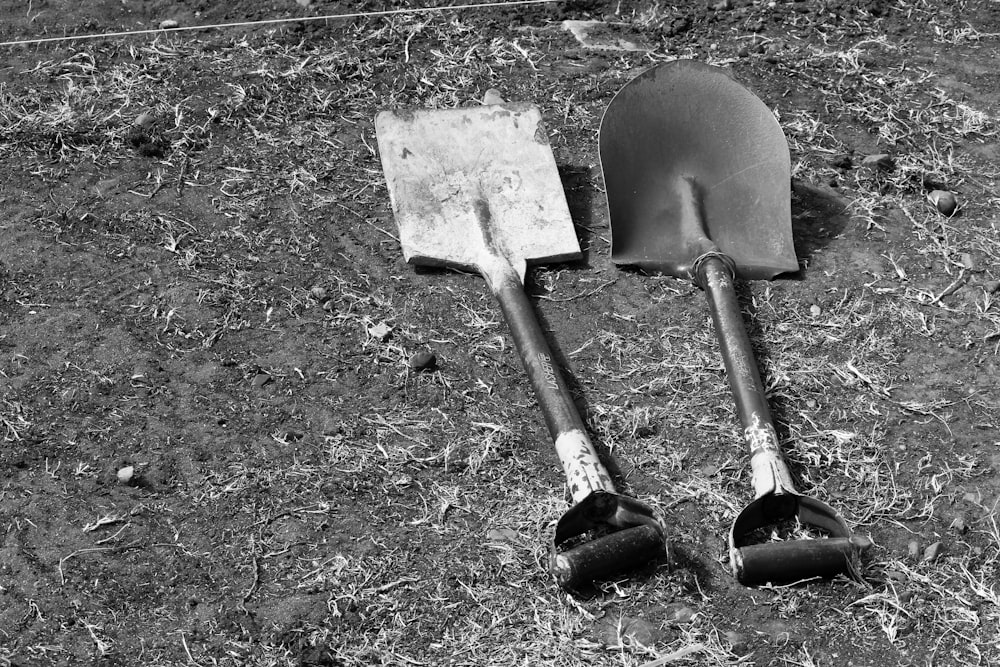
(585, 474)
(608, 555)
(797, 560)
(714, 274)
(629, 532)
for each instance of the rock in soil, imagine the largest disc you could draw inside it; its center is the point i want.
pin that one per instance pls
(422, 361)
(933, 552)
(878, 162)
(945, 202)
(126, 474)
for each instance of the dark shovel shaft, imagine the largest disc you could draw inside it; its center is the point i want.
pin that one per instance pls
(770, 473)
(734, 343)
(638, 535)
(561, 415)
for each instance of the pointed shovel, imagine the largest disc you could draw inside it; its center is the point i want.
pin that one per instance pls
(698, 186)
(477, 189)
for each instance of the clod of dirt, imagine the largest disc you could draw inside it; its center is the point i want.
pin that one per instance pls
(146, 145)
(841, 162)
(933, 552)
(680, 613)
(960, 525)
(945, 202)
(992, 286)
(422, 361)
(913, 549)
(619, 631)
(167, 24)
(604, 36)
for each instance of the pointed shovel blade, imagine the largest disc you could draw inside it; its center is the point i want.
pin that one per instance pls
(688, 121)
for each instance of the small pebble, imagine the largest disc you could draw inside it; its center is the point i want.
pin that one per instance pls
(960, 525)
(878, 162)
(974, 496)
(992, 286)
(260, 380)
(815, 310)
(615, 631)
(709, 470)
(945, 202)
(503, 535)
(913, 549)
(781, 632)
(168, 24)
(380, 331)
(492, 96)
(681, 613)
(318, 292)
(737, 641)
(144, 120)
(126, 474)
(933, 552)
(422, 361)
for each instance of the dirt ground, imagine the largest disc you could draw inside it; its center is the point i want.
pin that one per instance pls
(217, 448)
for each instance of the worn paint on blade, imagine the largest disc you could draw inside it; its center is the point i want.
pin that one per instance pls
(472, 183)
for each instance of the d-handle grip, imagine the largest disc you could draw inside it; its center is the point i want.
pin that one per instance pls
(600, 558)
(797, 560)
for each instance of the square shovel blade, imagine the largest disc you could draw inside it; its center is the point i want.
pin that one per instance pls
(472, 185)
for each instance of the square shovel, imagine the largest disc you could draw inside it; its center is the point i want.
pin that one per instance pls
(477, 189)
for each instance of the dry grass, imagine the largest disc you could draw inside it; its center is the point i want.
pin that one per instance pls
(361, 513)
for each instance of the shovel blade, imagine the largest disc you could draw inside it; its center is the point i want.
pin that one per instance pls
(688, 121)
(472, 185)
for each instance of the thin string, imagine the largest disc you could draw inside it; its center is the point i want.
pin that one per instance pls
(302, 19)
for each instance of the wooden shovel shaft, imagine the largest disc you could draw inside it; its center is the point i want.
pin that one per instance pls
(770, 473)
(585, 473)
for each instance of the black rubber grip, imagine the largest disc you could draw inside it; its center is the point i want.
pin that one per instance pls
(600, 558)
(797, 560)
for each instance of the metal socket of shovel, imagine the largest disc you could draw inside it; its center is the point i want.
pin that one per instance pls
(698, 186)
(477, 189)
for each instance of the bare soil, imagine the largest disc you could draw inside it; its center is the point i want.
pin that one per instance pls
(214, 448)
